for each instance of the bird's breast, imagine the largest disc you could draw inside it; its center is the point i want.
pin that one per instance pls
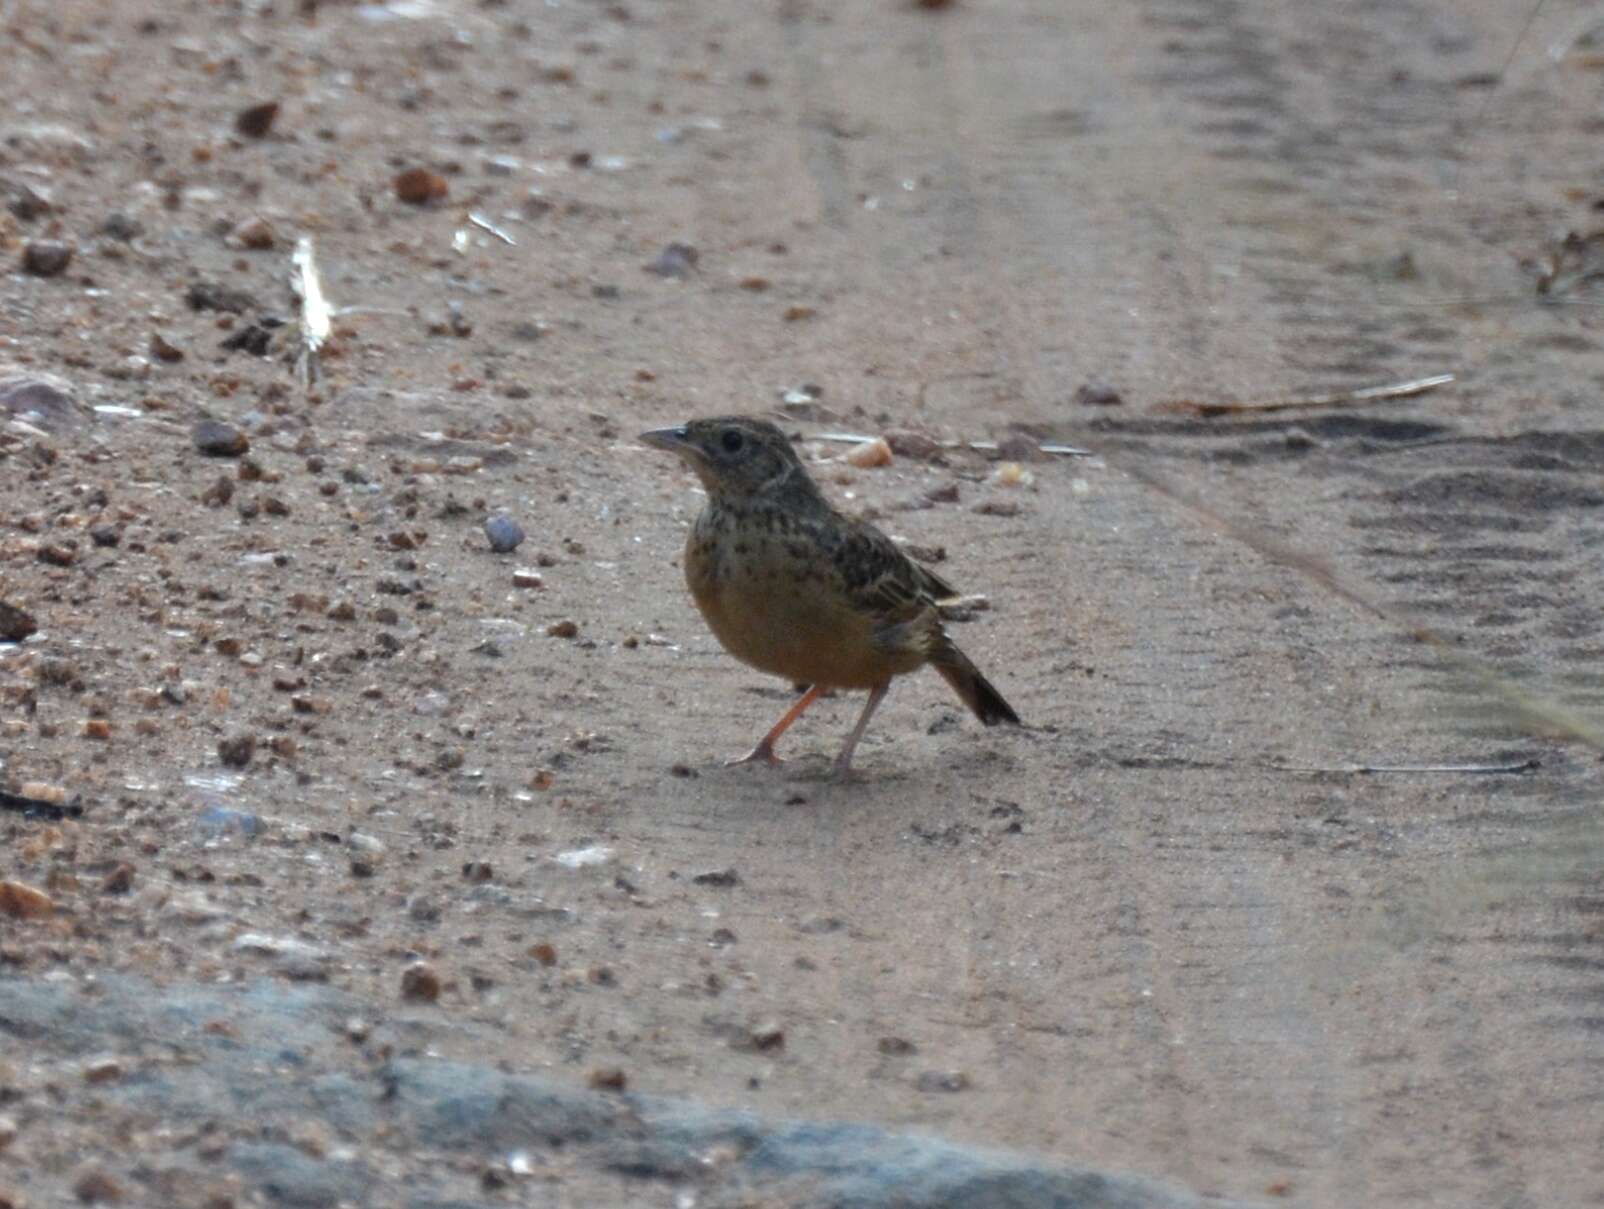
(774, 600)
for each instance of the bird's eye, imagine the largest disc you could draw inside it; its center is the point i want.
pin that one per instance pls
(732, 440)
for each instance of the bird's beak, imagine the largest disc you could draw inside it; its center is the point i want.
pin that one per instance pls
(675, 440)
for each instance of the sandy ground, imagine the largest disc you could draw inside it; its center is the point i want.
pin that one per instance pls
(1135, 934)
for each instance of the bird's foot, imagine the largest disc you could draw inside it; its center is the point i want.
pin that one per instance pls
(763, 753)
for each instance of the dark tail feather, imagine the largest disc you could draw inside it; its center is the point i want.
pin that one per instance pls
(977, 692)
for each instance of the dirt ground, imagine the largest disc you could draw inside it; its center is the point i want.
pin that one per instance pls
(1146, 932)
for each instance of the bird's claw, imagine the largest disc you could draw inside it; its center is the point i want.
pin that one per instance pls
(761, 754)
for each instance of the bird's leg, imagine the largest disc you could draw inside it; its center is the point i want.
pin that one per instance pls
(843, 762)
(765, 748)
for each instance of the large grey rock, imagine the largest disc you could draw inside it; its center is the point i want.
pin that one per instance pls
(284, 1062)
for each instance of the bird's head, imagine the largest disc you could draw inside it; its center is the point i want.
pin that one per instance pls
(736, 457)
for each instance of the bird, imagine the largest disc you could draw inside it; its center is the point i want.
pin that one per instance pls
(792, 586)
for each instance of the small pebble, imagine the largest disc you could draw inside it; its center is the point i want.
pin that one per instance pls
(222, 820)
(43, 403)
(236, 752)
(254, 338)
(1018, 447)
(119, 881)
(255, 234)
(996, 508)
(943, 1080)
(218, 440)
(896, 1047)
(917, 446)
(420, 186)
(367, 845)
(16, 624)
(1300, 439)
(46, 257)
(122, 227)
(96, 1187)
(767, 1036)
(104, 1069)
(24, 902)
(721, 878)
(677, 260)
(97, 728)
(420, 983)
(8, 1131)
(544, 953)
(524, 578)
(256, 120)
(1012, 474)
(164, 349)
(31, 202)
(870, 453)
(504, 533)
(609, 1078)
(219, 493)
(1097, 394)
(208, 296)
(563, 629)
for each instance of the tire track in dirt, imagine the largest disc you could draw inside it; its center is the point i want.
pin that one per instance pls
(1306, 150)
(1490, 539)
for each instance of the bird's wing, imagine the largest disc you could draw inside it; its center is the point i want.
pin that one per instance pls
(881, 580)
(939, 589)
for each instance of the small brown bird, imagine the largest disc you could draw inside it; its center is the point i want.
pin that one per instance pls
(793, 587)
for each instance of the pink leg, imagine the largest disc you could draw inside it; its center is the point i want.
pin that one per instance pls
(765, 748)
(843, 762)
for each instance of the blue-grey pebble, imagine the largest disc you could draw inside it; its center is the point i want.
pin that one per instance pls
(220, 820)
(504, 533)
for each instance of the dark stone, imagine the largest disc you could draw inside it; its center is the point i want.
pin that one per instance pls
(30, 202)
(209, 296)
(46, 257)
(122, 226)
(15, 624)
(254, 338)
(218, 440)
(256, 120)
(39, 402)
(1097, 394)
(236, 752)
